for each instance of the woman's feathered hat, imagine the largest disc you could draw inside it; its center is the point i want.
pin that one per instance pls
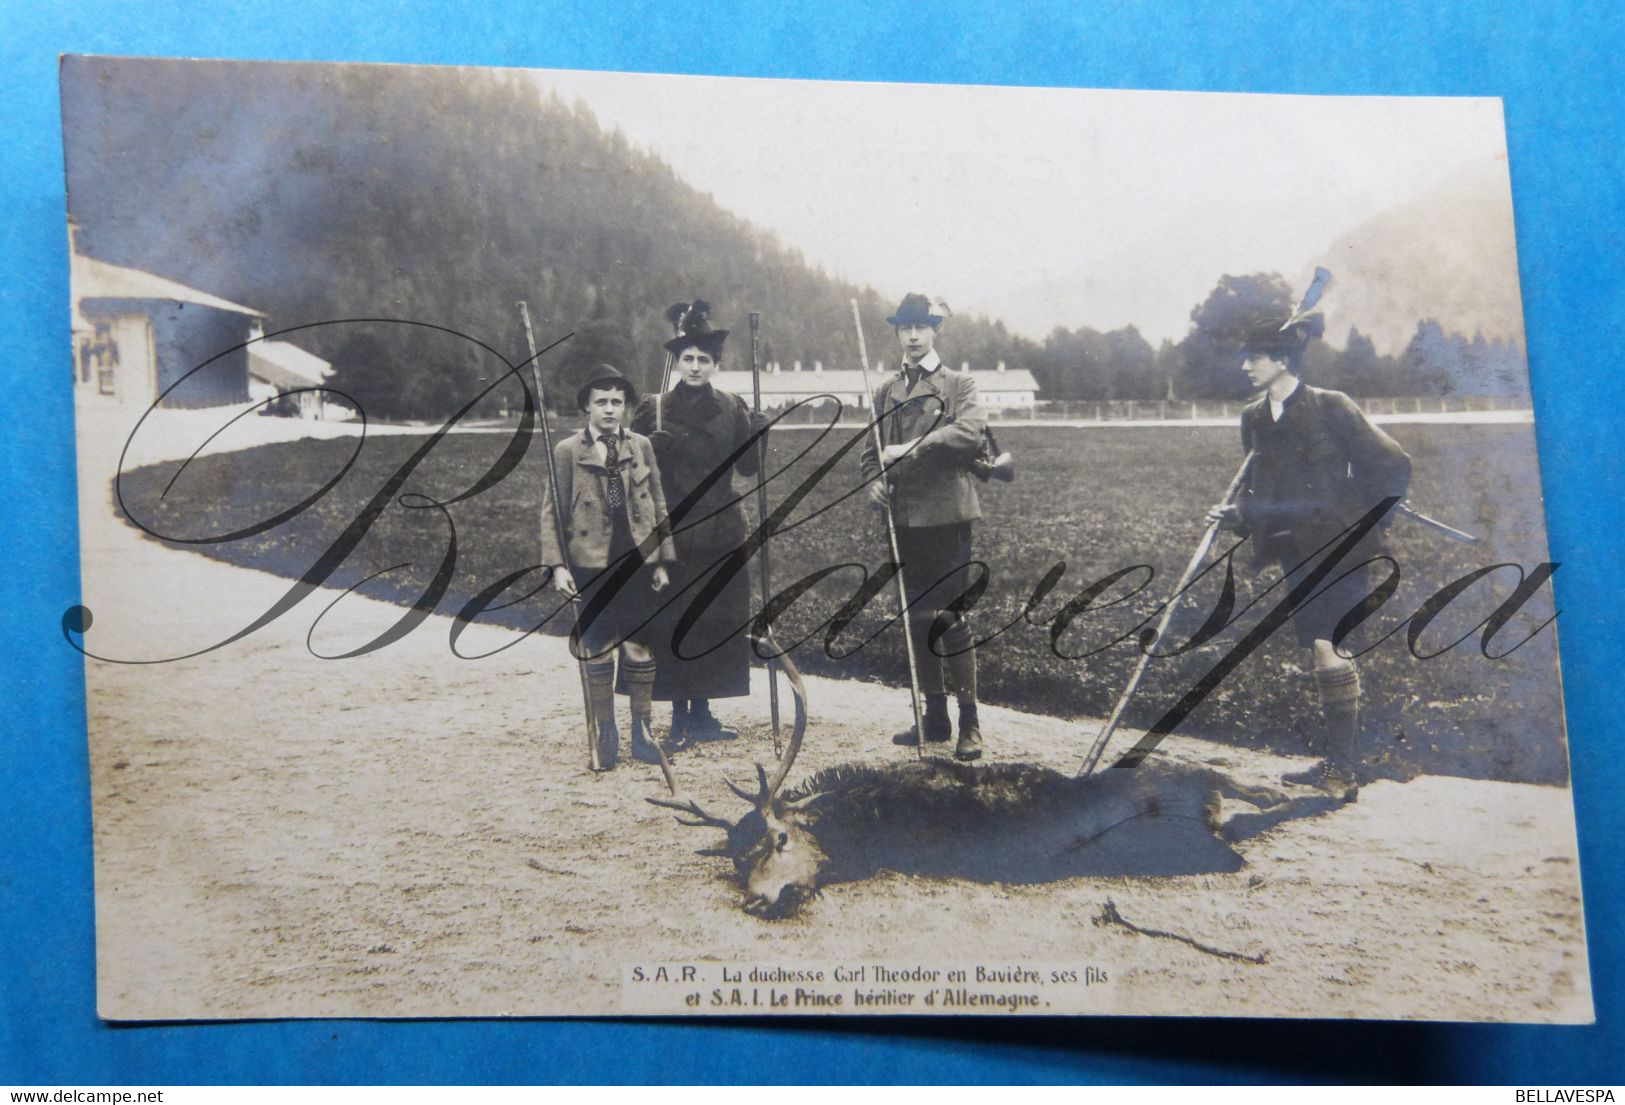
(1278, 335)
(692, 322)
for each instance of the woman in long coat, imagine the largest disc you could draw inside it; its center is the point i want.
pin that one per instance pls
(695, 428)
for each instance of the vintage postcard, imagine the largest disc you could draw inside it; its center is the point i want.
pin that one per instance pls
(563, 543)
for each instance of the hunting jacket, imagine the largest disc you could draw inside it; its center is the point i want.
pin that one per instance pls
(932, 486)
(1317, 470)
(583, 483)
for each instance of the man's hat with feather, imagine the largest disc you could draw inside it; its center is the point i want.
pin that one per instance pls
(692, 322)
(1286, 336)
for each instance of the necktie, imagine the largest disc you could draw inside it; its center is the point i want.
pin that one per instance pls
(617, 489)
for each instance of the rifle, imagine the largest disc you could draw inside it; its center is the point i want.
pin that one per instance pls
(558, 528)
(1434, 524)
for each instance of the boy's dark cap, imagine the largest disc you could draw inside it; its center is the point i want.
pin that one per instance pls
(604, 376)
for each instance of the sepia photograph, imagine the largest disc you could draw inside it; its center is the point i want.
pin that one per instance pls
(562, 543)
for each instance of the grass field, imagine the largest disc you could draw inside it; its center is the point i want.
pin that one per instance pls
(1095, 500)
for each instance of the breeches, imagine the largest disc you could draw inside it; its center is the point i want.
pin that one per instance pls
(624, 613)
(935, 574)
(1335, 599)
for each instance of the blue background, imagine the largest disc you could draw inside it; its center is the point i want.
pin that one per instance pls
(1555, 68)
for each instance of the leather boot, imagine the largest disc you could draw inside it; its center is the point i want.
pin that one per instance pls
(702, 726)
(1338, 774)
(970, 733)
(937, 727)
(678, 736)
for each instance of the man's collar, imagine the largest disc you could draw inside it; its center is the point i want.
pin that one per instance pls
(928, 363)
(591, 436)
(1291, 397)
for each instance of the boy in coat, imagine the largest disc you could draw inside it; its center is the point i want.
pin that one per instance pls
(931, 423)
(613, 507)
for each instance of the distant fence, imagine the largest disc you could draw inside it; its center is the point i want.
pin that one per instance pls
(1152, 410)
(1176, 410)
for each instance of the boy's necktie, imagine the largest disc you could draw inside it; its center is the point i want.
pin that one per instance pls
(617, 489)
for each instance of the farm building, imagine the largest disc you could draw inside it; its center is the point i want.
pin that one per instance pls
(1000, 388)
(282, 372)
(136, 336)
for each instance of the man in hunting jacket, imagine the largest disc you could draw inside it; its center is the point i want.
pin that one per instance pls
(931, 423)
(1318, 466)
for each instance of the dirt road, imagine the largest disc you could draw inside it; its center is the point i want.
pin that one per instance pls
(413, 834)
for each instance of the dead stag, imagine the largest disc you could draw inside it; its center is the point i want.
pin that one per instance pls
(996, 823)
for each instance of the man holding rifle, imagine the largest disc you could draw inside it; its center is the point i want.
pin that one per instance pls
(1318, 466)
(931, 426)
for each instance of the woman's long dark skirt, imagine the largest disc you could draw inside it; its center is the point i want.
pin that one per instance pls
(714, 656)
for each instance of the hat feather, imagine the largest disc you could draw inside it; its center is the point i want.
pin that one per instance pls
(1311, 296)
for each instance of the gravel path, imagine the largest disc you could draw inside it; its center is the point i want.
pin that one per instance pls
(414, 834)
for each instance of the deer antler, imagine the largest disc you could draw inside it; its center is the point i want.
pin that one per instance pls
(770, 789)
(680, 802)
(767, 789)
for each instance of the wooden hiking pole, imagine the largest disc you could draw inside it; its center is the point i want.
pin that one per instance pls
(891, 539)
(558, 529)
(1099, 746)
(761, 517)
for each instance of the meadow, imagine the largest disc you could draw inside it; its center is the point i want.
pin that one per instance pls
(1088, 504)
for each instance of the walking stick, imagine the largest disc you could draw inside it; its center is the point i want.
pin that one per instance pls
(558, 528)
(891, 540)
(1099, 746)
(761, 515)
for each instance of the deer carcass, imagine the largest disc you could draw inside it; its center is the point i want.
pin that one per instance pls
(1011, 823)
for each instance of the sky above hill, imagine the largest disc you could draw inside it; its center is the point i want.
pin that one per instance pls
(1057, 207)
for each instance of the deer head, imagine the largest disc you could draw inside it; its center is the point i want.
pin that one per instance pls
(777, 857)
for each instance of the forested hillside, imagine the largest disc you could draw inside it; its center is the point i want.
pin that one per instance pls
(445, 196)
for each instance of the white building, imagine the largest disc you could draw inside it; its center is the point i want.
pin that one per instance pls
(1000, 389)
(138, 336)
(282, 369)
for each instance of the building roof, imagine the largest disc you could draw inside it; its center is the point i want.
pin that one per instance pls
(286, 366)
(93, 279)
(838, 381)
(849, 381)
